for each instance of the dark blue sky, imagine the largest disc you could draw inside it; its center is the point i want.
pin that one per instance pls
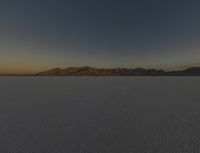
(39, 34)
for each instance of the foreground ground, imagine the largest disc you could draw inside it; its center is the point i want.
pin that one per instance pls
(100, 115)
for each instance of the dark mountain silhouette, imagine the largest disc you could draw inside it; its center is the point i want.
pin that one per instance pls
(91, 71)
(193, 71)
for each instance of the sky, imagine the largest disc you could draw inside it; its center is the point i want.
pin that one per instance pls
(37, 35)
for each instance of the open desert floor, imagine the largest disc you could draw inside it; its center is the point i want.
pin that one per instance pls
(99, 114)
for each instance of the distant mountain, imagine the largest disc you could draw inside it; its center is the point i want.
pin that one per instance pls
(193, 71)
(91, 71)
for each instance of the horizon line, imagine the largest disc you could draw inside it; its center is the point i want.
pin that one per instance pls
(138, 67)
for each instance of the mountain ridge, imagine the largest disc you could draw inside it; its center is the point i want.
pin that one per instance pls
(92, 71)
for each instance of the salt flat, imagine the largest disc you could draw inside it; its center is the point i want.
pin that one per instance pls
(99, 114)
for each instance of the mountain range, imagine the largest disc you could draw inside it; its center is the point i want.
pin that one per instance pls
(91, 71)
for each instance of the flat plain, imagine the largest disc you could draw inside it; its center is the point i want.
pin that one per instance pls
(99, 114)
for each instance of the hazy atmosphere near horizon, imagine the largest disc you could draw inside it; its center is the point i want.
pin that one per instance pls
(37, 35)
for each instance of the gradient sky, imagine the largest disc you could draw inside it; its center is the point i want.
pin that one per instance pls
(37, 35)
